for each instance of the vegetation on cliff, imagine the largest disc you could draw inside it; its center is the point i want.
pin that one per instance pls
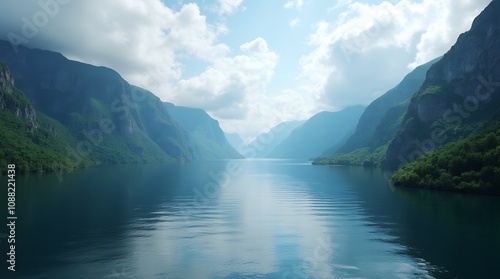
(470, 165)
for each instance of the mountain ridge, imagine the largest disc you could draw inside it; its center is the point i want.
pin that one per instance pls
(110, 120)
(265, 142)
(318, 133)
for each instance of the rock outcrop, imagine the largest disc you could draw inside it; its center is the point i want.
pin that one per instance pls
(15, 101)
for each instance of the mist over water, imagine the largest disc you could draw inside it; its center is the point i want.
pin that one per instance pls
(272, 219)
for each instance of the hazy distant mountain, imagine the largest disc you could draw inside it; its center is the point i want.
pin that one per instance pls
(234, 140)
(334, 149)
(379, 123)
(265, 143)
(205, 132)
(317, 134)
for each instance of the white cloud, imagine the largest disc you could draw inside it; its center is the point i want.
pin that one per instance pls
(294, 22)
(340, 4)
(297, 4)
(267, 111)
(369, 48)
(223, 88)
(134, 37)
(456, 18)
(228, 7)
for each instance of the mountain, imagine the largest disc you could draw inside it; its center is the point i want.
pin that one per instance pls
(29, 140)
(332, 150)
(265, 142)
(446, 134)
(379, 123)
(459, 96)
(113, 121)
(109, 121)
(318, 133)
(234, 140)
(205, 132)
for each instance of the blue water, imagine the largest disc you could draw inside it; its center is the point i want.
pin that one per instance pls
(247, 219)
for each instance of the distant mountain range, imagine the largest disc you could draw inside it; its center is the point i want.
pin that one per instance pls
(266, 142)
(304, 139)
(105, 119)
(317, 134)
(438, 128)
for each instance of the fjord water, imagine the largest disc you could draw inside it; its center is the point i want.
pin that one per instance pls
(247, 219)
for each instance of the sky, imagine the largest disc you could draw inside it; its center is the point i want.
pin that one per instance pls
(251, 64)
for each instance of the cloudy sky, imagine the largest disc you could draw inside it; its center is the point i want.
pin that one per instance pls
(250, 63)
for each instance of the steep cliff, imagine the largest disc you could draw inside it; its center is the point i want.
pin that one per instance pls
(13, 100)
(459, 95)
(111, 121)
(28, 141)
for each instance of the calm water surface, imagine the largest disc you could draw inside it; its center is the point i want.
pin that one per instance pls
(247, 219)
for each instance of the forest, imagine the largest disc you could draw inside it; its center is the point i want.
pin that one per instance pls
(469, 165)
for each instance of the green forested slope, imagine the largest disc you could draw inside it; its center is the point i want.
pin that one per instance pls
(37, 151)
(471, 164)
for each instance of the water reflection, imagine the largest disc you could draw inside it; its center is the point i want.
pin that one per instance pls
(248, 219)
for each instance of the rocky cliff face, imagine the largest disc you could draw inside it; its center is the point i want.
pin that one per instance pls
(13, 100)
(6, 80)
(459, 95)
